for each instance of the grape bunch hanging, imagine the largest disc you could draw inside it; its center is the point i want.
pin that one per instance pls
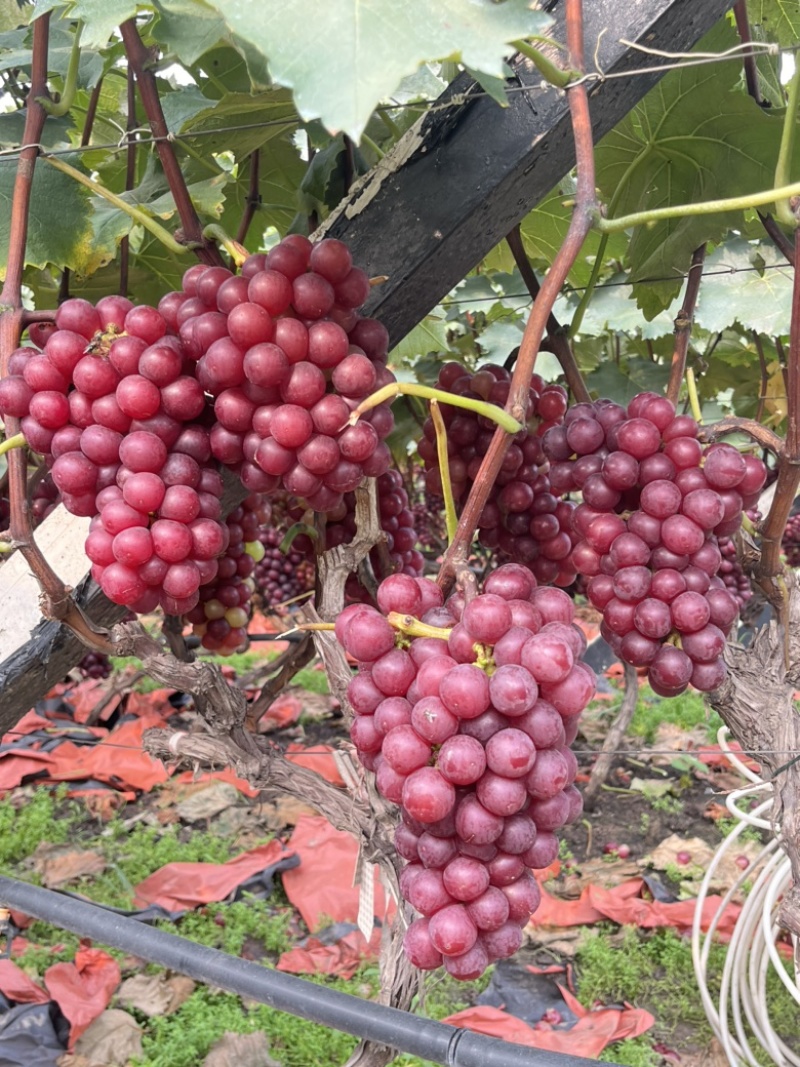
(467, 728)
(135, 409)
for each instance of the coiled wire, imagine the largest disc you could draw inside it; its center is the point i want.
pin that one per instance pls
(741, 1014)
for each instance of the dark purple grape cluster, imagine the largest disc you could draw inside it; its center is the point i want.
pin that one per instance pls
(523, 519)
(95, 665)
(287, 358)
(655, 504)
(468, 731)
(221, 616)
(280, 576)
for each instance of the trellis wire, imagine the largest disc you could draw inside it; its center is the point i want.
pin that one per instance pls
(752, 950)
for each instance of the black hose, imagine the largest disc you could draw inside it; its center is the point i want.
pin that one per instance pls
(399, 1030)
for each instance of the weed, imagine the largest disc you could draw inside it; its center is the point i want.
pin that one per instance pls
(644, 823)
(635, 1052)
(565, 853)
(23, 828)
(668, 804)
(727, 825)
(227, 927)
(138, 851)
(688, 711)
(313, 681)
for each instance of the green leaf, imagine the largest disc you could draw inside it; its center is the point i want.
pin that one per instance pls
(14, 14)
(543, 232)
(429, 336)
(315, 49)
(100, 18)
(623, 385)
(612, 307)
(55, 197)
(187, 28)
(499, 340)
(280, 172)
(696, 136)
(239, 110)
(54, 134)
(760, 301)
(775, 20)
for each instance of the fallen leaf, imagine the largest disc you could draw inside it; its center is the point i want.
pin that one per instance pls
(713, 1056)
(604, 872)
(285, 811)
(112, 1040)
(182, 988)
(60, 864)
(214, 798)
(240, 1050)
(148, 993)
(700, 855)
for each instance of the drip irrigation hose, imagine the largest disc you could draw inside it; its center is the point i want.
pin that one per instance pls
(742, 1005)
(399, 1030)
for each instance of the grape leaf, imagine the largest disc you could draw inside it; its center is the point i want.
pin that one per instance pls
(695, 136)
(55, 197)
(280, 172)
(314, 48)
(187, 28)
(612, 308)
(13, 14)
(758, 300)
(430, 335)
(100, 17)
(543, 232)
(270, 113)
(775, 20)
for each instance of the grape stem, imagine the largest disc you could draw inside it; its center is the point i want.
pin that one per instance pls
(557, 335)
(253, 200)
(136, 214)
(67, 98)
(503, 419)
(683, 324)
(770, 566)
(702, 207)
(412, 627)
(783, 168)
(235, 250)
(546, 67)
(17, 441)
(583, 214)
(139, 58)
(450, 517)
(732, 424)
(694, 400)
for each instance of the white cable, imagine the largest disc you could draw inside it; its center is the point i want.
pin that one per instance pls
(740, 1017)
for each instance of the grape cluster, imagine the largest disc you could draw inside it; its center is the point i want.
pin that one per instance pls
(95, 665)
(286, 357)
(468, 731)
(791, 541)
(221, 616)
(283, 576)
(655, 504)
(523, 518)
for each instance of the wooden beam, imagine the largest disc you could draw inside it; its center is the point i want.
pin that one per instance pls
(464, 175)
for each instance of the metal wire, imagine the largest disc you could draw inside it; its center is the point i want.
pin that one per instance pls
(753, 950)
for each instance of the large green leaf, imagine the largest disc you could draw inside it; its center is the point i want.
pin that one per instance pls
(245, 122)
(187, 28)
(696, 136)
(429, 336)
(280, 172)
(543, 232)
(775, 20)
(14, 13)
(55, 201)
(759, 298)
(100, 17)
(341, 58)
